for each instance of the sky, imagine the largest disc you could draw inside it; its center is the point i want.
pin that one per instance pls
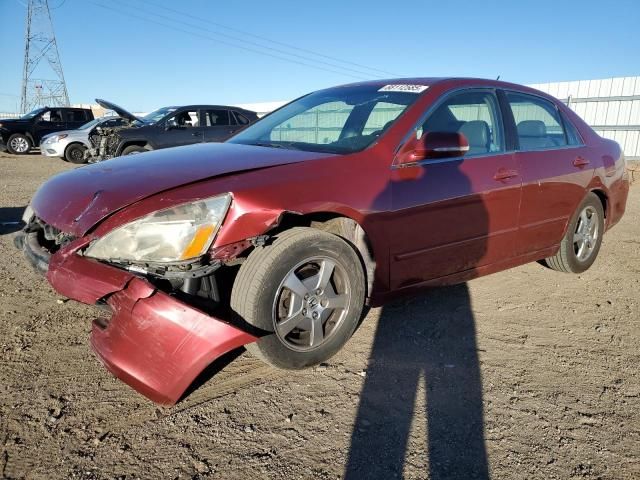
(144, 54)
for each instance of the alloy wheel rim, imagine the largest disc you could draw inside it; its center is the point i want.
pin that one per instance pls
(586, 234)
(77, 154)
(311, 303)
(19, 144)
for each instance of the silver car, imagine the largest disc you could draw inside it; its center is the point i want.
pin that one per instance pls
(70, 145)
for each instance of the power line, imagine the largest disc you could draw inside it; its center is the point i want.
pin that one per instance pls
(249, 42)
(217, 40)
(243, 32)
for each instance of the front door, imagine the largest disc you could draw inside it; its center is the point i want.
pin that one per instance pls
(182, 128)
(49, 122)
(456, 214)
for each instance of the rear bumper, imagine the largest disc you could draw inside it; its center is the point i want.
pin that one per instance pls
(618, 195)
(154, 342)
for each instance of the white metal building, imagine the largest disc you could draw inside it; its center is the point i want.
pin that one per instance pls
(611, 106)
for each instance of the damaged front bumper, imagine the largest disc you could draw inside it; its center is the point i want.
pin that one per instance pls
(153, 341)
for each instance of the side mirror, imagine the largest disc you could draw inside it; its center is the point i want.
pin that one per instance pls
(434, 145)
(171, 124)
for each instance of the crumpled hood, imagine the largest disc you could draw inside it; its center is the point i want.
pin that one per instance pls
(76, 200)
(118, 109)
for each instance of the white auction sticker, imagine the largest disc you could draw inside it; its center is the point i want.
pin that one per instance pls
(404, 88)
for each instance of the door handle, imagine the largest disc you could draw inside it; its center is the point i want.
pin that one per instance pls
(196, 134)
(580, 162)
(505, 174)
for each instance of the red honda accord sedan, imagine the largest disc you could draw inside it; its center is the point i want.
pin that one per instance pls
(347, 196)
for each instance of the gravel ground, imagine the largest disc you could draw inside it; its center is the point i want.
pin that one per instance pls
(525, 374)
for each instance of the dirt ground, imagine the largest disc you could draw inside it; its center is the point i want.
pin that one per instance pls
(525, 374)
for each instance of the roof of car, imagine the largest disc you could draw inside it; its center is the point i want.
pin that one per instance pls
(195, 107)
(430, 81)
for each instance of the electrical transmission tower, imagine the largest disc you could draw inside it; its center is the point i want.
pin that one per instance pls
(41, 50)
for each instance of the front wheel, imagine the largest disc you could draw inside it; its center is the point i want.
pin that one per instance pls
(75, 153)
(581, 243)
(305, 291)
(133, 149)
(18, 144)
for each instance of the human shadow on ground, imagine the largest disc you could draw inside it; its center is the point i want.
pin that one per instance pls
(433, 338)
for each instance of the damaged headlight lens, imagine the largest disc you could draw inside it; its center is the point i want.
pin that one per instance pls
(175, 234)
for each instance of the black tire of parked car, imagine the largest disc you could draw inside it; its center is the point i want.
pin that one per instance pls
(258, 286)
(75, 153)
(132, 149)
(19, 139)
(566, 260)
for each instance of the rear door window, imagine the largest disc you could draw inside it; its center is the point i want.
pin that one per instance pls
(538, 122)
(75, 116)
(217, 118)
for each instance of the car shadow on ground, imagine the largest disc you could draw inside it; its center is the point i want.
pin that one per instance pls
(429, 339)
(11, 219)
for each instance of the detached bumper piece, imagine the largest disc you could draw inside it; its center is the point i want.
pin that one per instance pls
(154, 342)
(159, 345)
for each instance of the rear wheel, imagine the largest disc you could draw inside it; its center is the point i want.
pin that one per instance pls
(305, 291)
(75, 153)
(581, 243)
(133, 149)
(18, 144)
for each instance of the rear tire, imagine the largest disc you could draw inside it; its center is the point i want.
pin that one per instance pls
(305, 291)
(19, 144)
(75, 153)
(133, 149)
(581, 243)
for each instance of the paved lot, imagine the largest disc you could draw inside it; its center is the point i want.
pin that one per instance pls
(526, 374)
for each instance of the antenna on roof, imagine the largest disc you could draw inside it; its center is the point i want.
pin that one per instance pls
(498, 77)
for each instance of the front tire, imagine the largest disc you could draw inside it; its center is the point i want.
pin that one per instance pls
(75, 153)
(305, 291)
(581, 243)
(19, 144)
(133, 149)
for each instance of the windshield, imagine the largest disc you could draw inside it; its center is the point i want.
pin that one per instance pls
(90, 124)
(337, 120)
(157, 115)
(33, 113)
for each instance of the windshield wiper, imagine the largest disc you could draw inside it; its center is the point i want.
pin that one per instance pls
(274, 145)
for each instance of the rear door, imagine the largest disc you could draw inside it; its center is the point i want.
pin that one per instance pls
(456, 214)
(556, 168)
(219, 124)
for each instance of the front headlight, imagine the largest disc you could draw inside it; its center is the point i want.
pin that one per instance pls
(55, 138)
(175, 234)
